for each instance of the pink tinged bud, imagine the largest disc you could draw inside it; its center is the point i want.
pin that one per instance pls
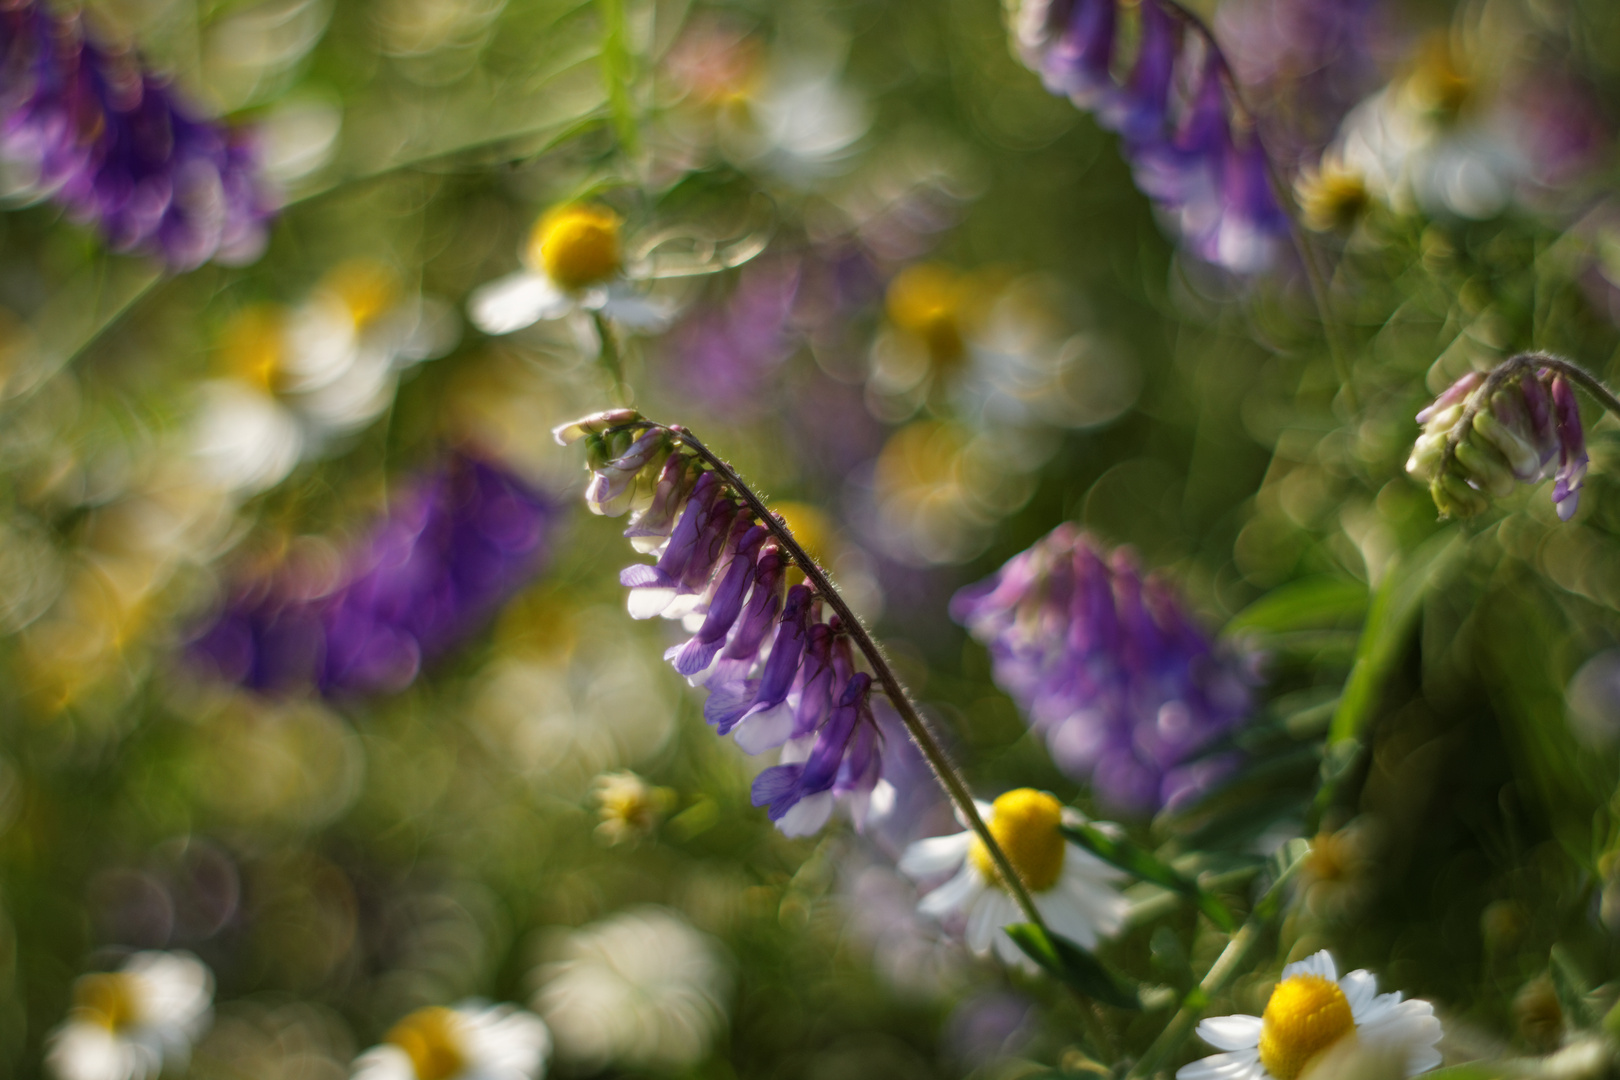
(594, 424)
(612, 487)
(1452, 395)
(651, 527)
(1572, 459)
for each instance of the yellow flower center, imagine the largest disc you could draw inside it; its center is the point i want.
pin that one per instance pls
(1334, 198)
(366, 287)
(576, 245)
(252, 344)
(926, 300)
(1025, 825)
(431, 1039)
(109, 1000)
(1306, 1015)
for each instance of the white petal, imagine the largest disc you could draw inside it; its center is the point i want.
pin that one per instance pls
(645, 603)
(935, 855)
(985, 920)
(636, 312)
(1238, 1065)
(1320, 963)
(515, 301)
(1378, 1009)
(955, 895)
(807, 816)
(1067, 918)
(386, 1062)
(1236, 1032)
(764, 730)
(1360, 988)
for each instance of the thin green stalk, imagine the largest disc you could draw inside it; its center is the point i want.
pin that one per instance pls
(616, 74)
(609, 356)
(944, 771)
(1226, 966)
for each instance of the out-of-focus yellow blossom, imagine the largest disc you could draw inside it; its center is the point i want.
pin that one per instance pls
(630, 808)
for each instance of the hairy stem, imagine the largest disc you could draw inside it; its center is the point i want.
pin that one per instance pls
(944, 771)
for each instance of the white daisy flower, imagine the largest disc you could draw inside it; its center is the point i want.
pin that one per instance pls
(574, 261)
(133, 1023)
(1072, 888)
(472, 1041)
(1310, 1010)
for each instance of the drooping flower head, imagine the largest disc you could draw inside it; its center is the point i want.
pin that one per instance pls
(455, 545)
(136, 1022)
(1310, 1011)
(780, 672)
(1488, 432)
(1207, 172)
(1109, 666)
(88, 127)
(472, 1041)
(1072, 888)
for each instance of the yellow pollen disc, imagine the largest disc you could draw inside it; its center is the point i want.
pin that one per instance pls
(431, 1040)
(108, 1000)
(576, 245)
(1306, 1015)
(1025, 824)
(926, 300)
(1334, 198)
(366, 287)
(251, 346)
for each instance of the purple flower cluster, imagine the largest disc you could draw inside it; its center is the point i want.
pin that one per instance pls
(111, 142)
(1109, 667)
(778, 674)
(454, 546)
(1524, 428)
(1171, 111)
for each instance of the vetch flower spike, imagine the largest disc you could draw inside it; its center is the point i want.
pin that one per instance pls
(1127, 690)
(1519, 423)
(780, 666)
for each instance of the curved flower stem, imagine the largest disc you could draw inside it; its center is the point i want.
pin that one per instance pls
(609, 355)
(1309, 256)
(1507, 369)
(944, 771)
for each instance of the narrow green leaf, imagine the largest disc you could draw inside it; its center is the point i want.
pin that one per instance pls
(617, 73)
(1309, 604)
(1073, 966)
(1142, 863)
(1394, 608)
(1571, 988)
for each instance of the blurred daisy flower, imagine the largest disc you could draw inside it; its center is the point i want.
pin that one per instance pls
(300, 378)
(472, 1041)
(1072, 889)
(1311, 1010)
(574, 261)
(136, 1022)
(630, 808)
(641, 989)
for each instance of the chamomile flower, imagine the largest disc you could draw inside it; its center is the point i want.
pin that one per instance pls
(1073, 889)
(469, 1042)
(1311, 1010)
(133, 1023)
(574, 261)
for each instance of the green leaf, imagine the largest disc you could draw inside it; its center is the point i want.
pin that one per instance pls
(1571, 988)
(1300, 605)
(617, 73)
(1395, 607)
(1284, 864)
(1145, 865)
(1073, 966)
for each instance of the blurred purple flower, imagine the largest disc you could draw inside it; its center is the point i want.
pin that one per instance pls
(86, 126)
(453, 548)
(1173, 116)
(1127, 689)
(778, 675)
(1304, 64)
(727, 355)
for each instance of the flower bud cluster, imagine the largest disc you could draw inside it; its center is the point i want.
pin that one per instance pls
(1170, 109)
(111, 142)
(1485, 434)
(780, 672)
(1127, 689)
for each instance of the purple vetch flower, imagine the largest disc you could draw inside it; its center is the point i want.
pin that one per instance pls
(1206, 172)
(454, 546)
(1523, 425)
(89, 128)
(779, 674)
(1128, 691)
